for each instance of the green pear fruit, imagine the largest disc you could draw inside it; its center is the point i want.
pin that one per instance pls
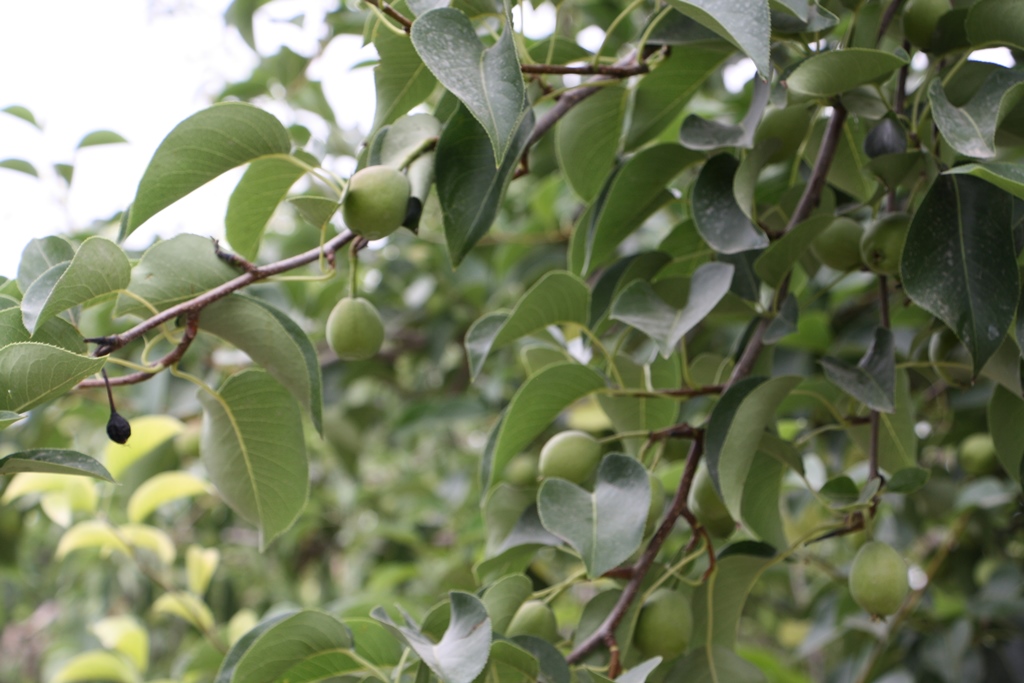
(354, 329)
(878, 579)
(950, 358)
(664, 625)
(977, 454)
(838, 245)
(534, 618)
(882, 243)
(572, 455)
(376, 201)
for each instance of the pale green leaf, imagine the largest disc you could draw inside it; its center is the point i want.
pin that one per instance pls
(54, 461)
(402, 80)
(254, 200)
(186, 607)
(100, 137)
(96, 665)
(19, 165)
(149, 432)
(35, 373)
(587, 140)
(162, 488)
(718, 601)
(126, 635)
(971, 129)
(39, 255)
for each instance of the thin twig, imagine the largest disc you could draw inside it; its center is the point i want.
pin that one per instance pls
(191, 329)
(392, 12)
(611, 70)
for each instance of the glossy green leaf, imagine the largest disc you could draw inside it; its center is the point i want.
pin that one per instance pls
(643, 413)
(996, 23)
(1005, 416)
(19, 165)
(640, 306)
(734, 432)
(100, 137)
(53, 461)
(897, 442)
(22, 113)
(706, 134)
(605, 527)
(507, 662)
(661, 95)
(873, 380)
(161, 488)
(254, 451)
(173, 271)
(744, 23)
(587, 140)
(401, 78)
(99, 267)
(958, 261)
(718, 602)
(1006, 176)
(96, 665)
(461, 654)
(55, 332)
(254, 200)
(275, 342)
(35, 373)
(300, 647)
(504, 597)
(486, 80)
(39, 255)
(618, 276)
(632, 194)
(971, 129)
(469, 185)
(199, 149)
(558, 297)
(778, 259)
(717, 664)
(537, 402)
(827, 74)
(719, 219)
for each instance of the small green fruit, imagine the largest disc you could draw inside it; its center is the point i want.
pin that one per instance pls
(878, 579)
(707, 506)
(950, 358)
(572, 455)
(657, 505)
(921, 18)
(882, 243)
(522, 470)
(664, 625)
(376, 202)
(354, 329)
(978, 454)
(534, 618)
(838, 245)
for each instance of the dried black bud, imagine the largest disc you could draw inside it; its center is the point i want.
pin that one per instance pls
(118, 428)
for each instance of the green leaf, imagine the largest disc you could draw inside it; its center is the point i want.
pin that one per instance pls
(897, 442)
(254, 451)
(719, 219)
(316, 210)
(65, 171)
(462, 652)
(1008, 177)
(587, 140)
(509, 663)
(486, 80)
(558, 297)
(971, 129)
(996, 23)
(300, 647)
(22, 113)
(643, 413)
(705, 134)
(39, 255)
(55, 332)
(632, 194)
(846, 172)
(759, 506)
(7, 418)
(827, 74)
(734, 432)
(661, 95)
(53, 461)
(958, 261)
(873, 380)
(199, 149)
(716, 664)
(504, 597)
(640, 306)
(718, 602)
(19, 165)
(99, 267)
(173, 271)
(470, 186)
(778, 259)
(907, 480)
(100, 137)
(537, 402)
(744, 23)
(605, 527)
(402, 79)
(275, 342)
(254, 200)
(35, 373)
(1005, 416)
(96, 665)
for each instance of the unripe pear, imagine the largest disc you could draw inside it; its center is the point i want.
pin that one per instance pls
(664, 625)
(534, 618)
(878, 579)
(572, 455)
(354, 329)
(376, 202)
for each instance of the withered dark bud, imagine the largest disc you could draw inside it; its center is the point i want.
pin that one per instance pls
(118, 428)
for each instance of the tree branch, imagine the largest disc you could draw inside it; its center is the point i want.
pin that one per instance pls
(191, 329)
(392, 12)
(611, 70)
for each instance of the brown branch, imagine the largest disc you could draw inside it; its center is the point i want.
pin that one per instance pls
(114, 342)
(887, 17)
(816, 182)
(611, 70)
(392, 12)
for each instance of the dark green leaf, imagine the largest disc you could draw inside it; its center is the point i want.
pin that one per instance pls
(873, 380)
(907, 480)
(1008, 177)
(53, 461)
(486, 80)
(198, 150)
(254, 199)
(744, 23)
(703, 134)
(778, 259)
(718, 602)
(719, 219)
(254, 451)
(897, 442)
(605, 527)
(846, 172)
(958, 261)
(716, 664)
(827, 74)
(996, 23)
(402, 79)
(971, 129)
(587, 140)
(1005, 417)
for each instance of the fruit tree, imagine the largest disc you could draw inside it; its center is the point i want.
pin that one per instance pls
(585, 363)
